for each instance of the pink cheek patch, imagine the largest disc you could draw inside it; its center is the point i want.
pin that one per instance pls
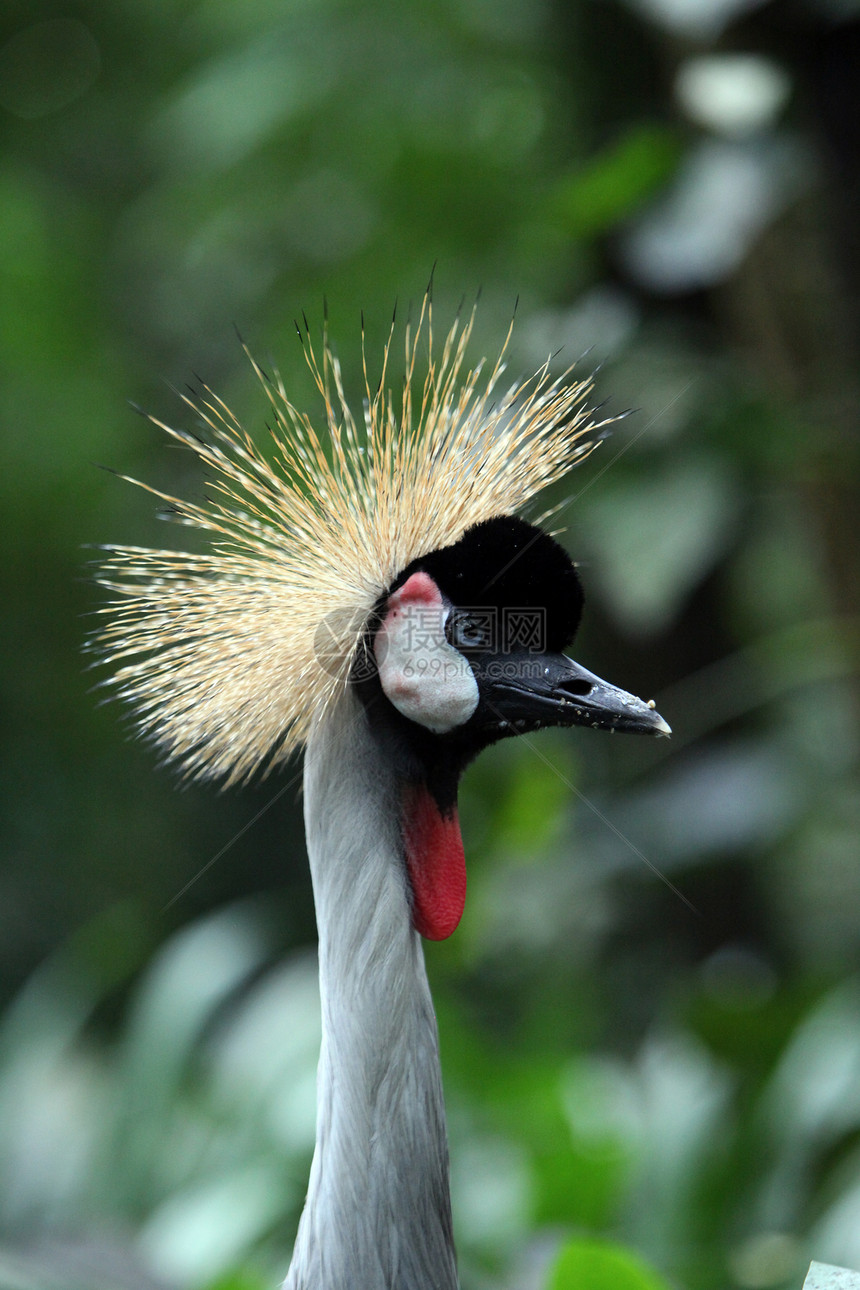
(421, 674)
(420, 589)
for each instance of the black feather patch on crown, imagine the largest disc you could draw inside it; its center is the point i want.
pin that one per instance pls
(507, 563)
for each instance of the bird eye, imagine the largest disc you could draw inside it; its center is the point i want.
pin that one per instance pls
(467, 631)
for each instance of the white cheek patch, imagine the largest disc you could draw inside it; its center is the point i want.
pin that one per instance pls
(425, 678)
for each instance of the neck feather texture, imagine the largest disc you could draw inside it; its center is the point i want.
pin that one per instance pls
(378, 1214)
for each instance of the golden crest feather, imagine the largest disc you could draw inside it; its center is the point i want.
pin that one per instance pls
(229, 656)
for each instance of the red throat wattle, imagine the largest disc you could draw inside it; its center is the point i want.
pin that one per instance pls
(436, 863)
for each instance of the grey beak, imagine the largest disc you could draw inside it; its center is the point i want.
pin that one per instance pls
(605, 707)
(529, 691)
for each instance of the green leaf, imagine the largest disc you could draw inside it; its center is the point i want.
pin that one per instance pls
(240, 1280)
(597, 1265)
(618, 181)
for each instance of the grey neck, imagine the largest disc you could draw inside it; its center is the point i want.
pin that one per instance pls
(378, 1213)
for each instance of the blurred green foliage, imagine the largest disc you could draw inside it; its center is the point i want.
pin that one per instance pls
(650, 1017)
(593, 1265)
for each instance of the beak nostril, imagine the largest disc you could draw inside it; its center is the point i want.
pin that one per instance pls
(578, 688)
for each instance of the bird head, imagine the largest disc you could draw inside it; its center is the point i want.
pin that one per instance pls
(384, 558)
(469, 643)
(466, 648)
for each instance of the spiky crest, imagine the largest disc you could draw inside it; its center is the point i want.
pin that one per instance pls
(227, 656)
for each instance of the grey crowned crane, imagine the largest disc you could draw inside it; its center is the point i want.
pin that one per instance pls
(372, 596)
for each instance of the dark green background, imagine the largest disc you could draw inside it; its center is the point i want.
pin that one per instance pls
(684, 1081)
